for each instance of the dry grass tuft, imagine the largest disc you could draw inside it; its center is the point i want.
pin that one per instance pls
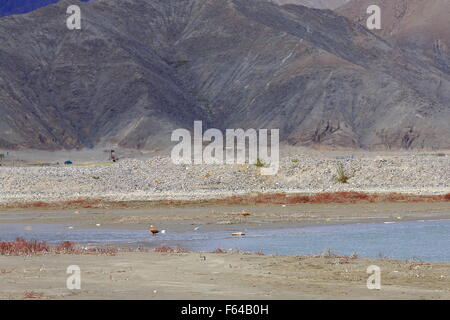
(341, 175)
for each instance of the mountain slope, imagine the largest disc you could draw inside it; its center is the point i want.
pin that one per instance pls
(320, 4)
(414, 24)
(138, 69)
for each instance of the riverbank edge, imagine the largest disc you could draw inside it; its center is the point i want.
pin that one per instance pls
(282, 198)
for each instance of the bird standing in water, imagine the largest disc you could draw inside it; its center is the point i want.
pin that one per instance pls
(153, 230)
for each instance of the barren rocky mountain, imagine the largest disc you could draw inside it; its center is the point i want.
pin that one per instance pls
(415, 24)
(140, 68)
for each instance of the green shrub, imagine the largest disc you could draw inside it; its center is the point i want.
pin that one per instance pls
(259, 163)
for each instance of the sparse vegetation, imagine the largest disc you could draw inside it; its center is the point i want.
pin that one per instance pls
(207, 175)
(219, 251)
(170, 250)
(260, 253)
(340, 259)
(341, 175)
(22, 247)
(259, 163)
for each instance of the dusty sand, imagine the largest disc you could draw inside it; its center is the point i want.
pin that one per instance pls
(152, 275)
(218, 276)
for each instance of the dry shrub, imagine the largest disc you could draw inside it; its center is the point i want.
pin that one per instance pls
(21, 247)
(65, 247)
(219, 250)
(259, 163)
(341, 175)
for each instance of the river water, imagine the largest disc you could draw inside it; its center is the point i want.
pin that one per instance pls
(421, 240)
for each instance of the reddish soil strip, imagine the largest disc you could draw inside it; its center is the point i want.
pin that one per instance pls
(260, 198)
(335, 197)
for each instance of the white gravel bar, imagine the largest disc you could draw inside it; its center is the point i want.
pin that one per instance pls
(158, 178)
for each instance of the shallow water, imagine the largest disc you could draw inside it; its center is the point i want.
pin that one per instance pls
(421, 240)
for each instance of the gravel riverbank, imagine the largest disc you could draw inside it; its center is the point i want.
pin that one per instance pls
(158, 178)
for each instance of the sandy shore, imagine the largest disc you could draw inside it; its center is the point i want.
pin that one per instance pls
(153, 275)
(218, 276)
(228, 217)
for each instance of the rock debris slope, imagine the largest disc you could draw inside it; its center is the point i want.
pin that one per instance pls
(139, 68)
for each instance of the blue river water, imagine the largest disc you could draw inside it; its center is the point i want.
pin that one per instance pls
(421, 240)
